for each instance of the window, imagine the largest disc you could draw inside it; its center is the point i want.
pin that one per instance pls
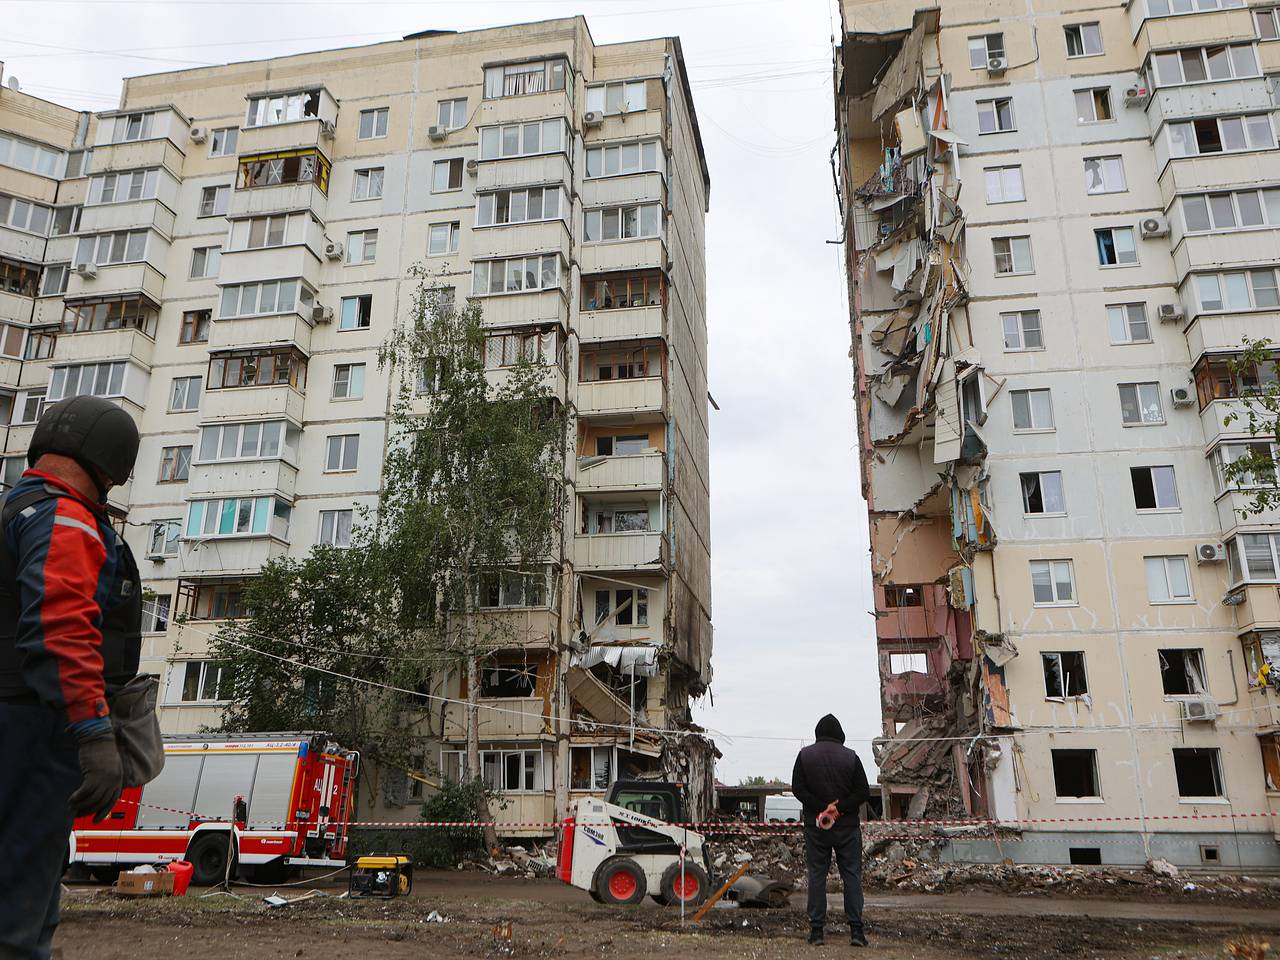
(519, 79)
(520, 206)
(30, 156)
(1004, 184)
(205, 681)
(283, 108)
(1253, 556)
(443, 239)
(1064, 675)
(362, 246)
(258, 440)
(214, 201)
(1267, 23)
(1256, 289)
(1022, 330)
(1104, 175)
(1235, 210)
(264, 232)
(625, 158)
(446, 175)
(1093, 106)
(908, 663)
(367, 184)
(29, 405)
(185, 394)
(1199, 772)
(205, 262)
(503, 771)
(348, 381)
(238, 516)
(511, 588)
(1053, 583)
(373, 123)
(79, 162)
(18, 277)
(533, 344)
(1013, 255)
(1163, 8)
(223, 140)
(107, 248)
(356, 313)
(896, 596)
(11, 337)
(1140, 404)
(622, 223)
(522, 139)
(1182, 671)
(1168, 579)
(1116, 247)
(1032, 409)
(24, 215)
(335, 527)
(123, 187)
(590, 768)
(621, 364)
(155, 613)
(175, 464)
(66, 220)
(452, 114)
(983, 48)
(213, 601)
(511, 276)
(1128, 323)
(1075, 774)
(995, 116)
(1221, 135)
(1264, 455)
(1083, 40)
(40, 344)
(11, 469)
(620, 96)
(163, 541)
(342, 453)
(133, 126)
(627, 607)
(258, 368)
(615, 291)
(87, 379)
(284, 167)
(508, 681)
(1154, 488)
(1197, 64)
(55, 279)
(1042, 493)
(614, 518)
(268, 297)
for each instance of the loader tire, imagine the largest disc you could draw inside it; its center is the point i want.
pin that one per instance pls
(691, 889)
(620, 881)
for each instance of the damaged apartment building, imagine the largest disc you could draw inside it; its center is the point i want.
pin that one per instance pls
(223, 256)
(1061, 220)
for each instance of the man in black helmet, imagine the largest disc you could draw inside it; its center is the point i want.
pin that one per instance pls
(829, 781)
(70, 625)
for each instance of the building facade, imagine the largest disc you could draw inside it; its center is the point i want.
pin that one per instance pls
(225, 253)
(1061, 222)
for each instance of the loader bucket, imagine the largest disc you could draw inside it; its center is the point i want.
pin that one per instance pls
(758, 891)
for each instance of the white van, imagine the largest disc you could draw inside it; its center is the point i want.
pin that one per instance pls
(783, 808)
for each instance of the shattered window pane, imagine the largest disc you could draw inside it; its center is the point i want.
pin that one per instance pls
(1075, 774)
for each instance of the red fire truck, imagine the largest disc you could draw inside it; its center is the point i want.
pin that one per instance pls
(298, 793)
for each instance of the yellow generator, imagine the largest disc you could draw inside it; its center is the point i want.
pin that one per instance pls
(384, 875)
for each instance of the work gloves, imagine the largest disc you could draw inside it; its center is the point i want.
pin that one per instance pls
(103, 775)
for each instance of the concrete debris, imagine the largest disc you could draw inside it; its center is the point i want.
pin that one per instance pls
(1162, 868)
(517, 862)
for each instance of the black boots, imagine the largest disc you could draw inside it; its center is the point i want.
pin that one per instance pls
(815, 937)
(857, 938)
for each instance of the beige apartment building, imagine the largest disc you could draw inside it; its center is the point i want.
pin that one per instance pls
(224, 254)
(1061, 220)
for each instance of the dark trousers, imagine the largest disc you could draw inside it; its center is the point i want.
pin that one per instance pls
(846, 844)
(39, 770)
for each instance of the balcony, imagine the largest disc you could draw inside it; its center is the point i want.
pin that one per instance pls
(127, 343)
(138, 155)
(135, 215)
(642, 471)
(625, 323)
(118, 279)
(17, 245)
(1230, 511)
(500, 718)
(607, 398)
(520, 628)
(1207, 99)
(553, 380)
(18, 438)
(624, 188)
(248, 403)
(242, 478)
(521, 239)
(620, 551)
(260, 331)
(10, 373)
(1224, 332)
(229, 556)
(521, 309)
(293, 135)
(274, 263)
(32, 186)
(522, 172)
(626, 126)
(1223, 251)
(1222, 171)
(533, 106)
(284, 198)
(617, 255)
(1215, 26)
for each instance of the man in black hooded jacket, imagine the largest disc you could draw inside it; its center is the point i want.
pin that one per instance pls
(829, 781)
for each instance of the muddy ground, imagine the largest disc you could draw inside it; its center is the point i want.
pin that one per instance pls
(498, 917)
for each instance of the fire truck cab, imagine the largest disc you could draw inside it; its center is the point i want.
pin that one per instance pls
(284, 799)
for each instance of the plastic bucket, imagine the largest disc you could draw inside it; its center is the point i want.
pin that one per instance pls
(181, 871)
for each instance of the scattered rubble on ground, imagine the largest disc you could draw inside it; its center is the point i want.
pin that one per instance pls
(517, 862)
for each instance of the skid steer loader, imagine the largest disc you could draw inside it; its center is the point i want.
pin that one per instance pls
(629, 845)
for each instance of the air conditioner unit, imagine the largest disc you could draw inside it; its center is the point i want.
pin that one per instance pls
(1154, 227)
(1210, 552)
(1171, 313)
(199, 134)
(437, 132)
(1182, 396)
(321, 314)
(1201, 709)
(473, 166)
(996, 66)
(333, 250)
(1135, 97)
(592, 118)
(86, 270)
(328, 130)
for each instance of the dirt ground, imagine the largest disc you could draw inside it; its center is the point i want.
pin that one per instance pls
(498, 917)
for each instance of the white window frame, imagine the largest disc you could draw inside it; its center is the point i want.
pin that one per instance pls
(1054, 568)
(981, 49)
(531, 761)
(157, 613)
(291, 107)
(1250, 123)
(1159, 580)
(449, 234)
(359, 322)
(1110, 175)
(1082, 35)
(456, 109)
(379, 118)
(352, 381)
(1021, 329)
(367, 183)
(1056, 656)
(1158, 72)
(215, 204)
(179, 677)
(1218, 776)
(1040, 476)
(496, 143)
(1229, 452)
(168, 532)
(1227, 288)
(290, 295)
(1175, 506)
(992, 109)
(1031, 410)
(596, 785)
(602, 157)
(487, 205)
(1116, 232)
(447, 166)
(648, 222)
(1121, 317)
(224, 141)
(205, 263)
(1266, 22)
(60, 376)
(1267, 201)
(617, 97)
(342, 453)
(1097, 779)
(333, 521)
(266, 434)
(1090, 116)
(1152, 389)
(1011, 252)
(1238, 557)
(1169, 8)
(485, 268)
(189, 385)
(1008, 184)
(360, 240)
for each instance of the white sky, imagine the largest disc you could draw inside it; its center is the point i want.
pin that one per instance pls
(791, 581)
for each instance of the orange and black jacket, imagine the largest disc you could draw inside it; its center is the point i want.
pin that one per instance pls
(70, 601)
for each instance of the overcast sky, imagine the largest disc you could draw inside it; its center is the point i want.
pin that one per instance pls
(791, 581)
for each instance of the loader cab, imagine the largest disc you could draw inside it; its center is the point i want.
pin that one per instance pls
(661, 800)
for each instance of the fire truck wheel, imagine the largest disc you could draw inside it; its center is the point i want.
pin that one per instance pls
(691, 889)
(107, 875)
(208, 858)
(276, 872)
(620, 881)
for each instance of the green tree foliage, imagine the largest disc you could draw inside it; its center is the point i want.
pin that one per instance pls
(1257, 372)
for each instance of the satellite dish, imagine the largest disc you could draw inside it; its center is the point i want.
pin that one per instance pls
(14, 85)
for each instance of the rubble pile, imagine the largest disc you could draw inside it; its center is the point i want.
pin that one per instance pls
(775, 854)
(516, 861)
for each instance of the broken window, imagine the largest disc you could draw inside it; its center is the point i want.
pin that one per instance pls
(1053, 583)
(908, 663)
(1116, 247)
(1199, 771)
(995, 116)
(590, 768)
(1168, 579)
(1013, 255)
(1128, 323)
(512, 681)
(617, 290)
(1093, 106)
(1221, 134)
(1140, 404)
(1064, 674)
(1042, 493)
(629, 607)
(367, 184)
(1270, 744)
(1154, 488)
(903, 596)
(1075, 774)
(282, 108)
(1083, 40)
(1022, 330)
(1032, 409)
(175, 464)
(1182, 673)
(1104, 175)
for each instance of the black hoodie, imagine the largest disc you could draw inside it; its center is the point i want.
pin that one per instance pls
(827, 771)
